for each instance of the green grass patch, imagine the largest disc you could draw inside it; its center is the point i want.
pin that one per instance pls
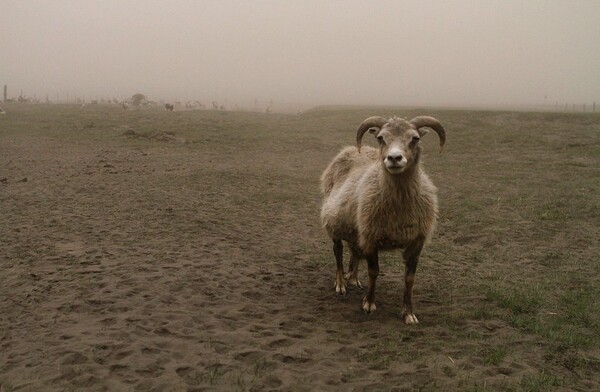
(541, 381)
(572, 320)
(518, 301)
(494, 356)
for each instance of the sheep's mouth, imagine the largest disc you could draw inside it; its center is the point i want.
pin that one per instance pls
(395, 168)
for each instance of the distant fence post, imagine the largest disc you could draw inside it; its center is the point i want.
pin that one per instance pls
(5, 93)
(594, 107)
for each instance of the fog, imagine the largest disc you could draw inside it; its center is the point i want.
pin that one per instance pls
(451, 53)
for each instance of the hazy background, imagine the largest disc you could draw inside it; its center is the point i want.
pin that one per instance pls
(507, 52)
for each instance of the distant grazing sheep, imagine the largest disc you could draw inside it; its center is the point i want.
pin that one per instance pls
(381, 199)
(168, 107)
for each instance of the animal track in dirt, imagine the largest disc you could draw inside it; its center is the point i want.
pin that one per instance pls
(249, 356)
(294, 359)
(151, 370)
(255, 295)
(122, 354)
(74, 359)
(119, 369)
(285, 342)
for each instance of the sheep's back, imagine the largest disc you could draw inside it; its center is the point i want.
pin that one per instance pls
(343, 164)
(339, 183)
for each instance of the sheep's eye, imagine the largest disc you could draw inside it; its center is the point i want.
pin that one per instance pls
(380, 140)
(414, 141)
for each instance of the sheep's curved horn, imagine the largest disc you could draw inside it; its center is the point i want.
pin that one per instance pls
(433, 123)
(375, 121)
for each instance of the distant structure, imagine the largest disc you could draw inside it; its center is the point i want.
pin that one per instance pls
(5, 93)
(138, 99)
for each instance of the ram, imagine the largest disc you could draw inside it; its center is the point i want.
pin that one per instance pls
(380, 199)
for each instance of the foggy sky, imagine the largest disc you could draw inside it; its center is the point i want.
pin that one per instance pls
(479, 52)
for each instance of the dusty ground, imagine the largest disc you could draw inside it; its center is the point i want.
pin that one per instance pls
(182, 251)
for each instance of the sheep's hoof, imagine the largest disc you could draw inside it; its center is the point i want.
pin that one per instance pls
(368, 307)
(340, 289)
(353, 280)
(410, 319)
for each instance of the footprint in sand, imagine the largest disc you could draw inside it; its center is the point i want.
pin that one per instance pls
(281, 343)
(297, 359)
(249, 356)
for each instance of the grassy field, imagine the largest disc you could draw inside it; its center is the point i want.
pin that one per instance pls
(146, 250)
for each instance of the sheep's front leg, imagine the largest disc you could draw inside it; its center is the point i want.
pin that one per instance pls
(411, 259)
(340, 283)
(369, 301)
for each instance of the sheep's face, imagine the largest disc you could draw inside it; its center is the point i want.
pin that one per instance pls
(398, 145)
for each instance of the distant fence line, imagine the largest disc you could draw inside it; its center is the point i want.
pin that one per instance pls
(574, 108)
(74, 99)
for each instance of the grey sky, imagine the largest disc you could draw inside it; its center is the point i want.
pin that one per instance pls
(347, 52)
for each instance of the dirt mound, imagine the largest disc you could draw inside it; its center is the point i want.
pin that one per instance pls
(161, 136)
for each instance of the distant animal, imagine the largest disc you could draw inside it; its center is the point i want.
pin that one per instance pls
(381, 199)
(168, 107)
(2, 111)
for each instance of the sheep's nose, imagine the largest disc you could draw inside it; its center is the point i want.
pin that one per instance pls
(394, 157)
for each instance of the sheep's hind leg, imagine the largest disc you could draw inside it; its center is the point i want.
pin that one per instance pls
(411, 259)
(369, 300)
(338, 251)
(352, 275)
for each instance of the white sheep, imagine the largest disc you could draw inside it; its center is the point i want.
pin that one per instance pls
(381, 199)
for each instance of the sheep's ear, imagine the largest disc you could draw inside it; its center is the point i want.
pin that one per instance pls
(423, 131)
(374, 130)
